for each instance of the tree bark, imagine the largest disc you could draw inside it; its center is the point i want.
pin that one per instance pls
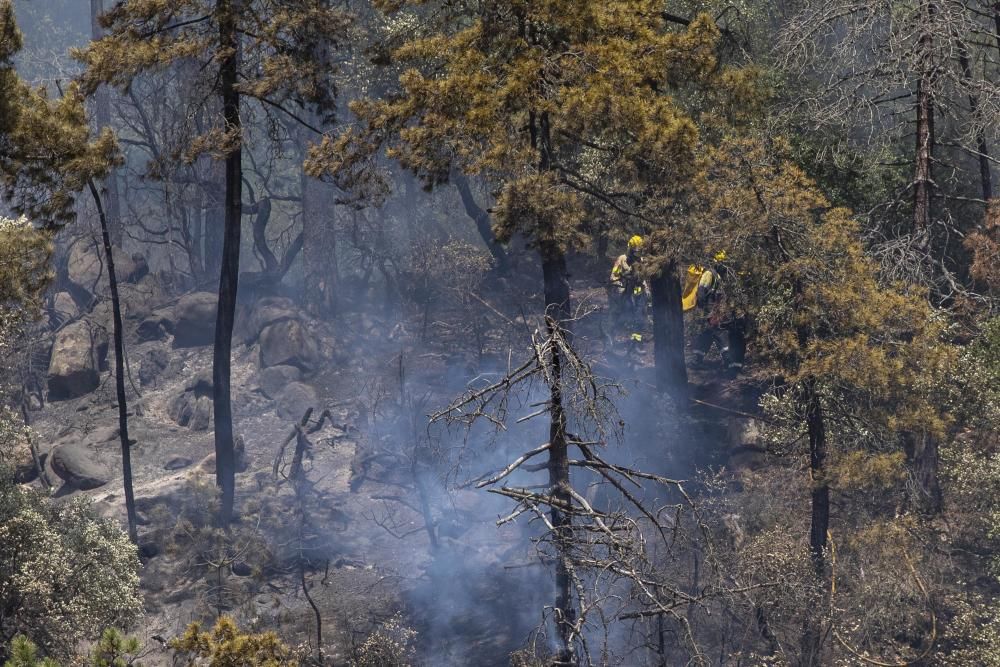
(225, 458)
(319, 233)
(482, 220)
(668, 333)
(214, 219)
(996, 24)
(982, 147)
(557, 315)
(819, 525)
(102, 119)
(923, 176)
(559, 484)
(922, 450)
(116, 311)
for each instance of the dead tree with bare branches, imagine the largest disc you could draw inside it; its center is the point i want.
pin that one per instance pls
(598, 540)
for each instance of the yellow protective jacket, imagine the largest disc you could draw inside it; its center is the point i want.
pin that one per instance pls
(698, 281)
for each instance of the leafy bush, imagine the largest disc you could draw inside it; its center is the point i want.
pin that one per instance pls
(227, 646)
(65, 573)
(389, 646)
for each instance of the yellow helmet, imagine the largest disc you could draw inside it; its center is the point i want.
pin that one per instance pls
(635, 242)
(720, 256)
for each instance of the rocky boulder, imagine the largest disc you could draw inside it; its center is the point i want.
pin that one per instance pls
(75, 465)
(86, 272)
(63, 309)
(267, 311)
(139, 300)
(207, 464)
(152, 364)
(288, 343)
(294, 400)
(23, 462)
(193, 406)
(157, 325)
(274, 379)
(194, 319)
(78, 353)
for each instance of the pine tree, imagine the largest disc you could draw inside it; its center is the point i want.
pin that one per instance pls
(565, 109)
(847, 348)
(245, 51)
(50, 157)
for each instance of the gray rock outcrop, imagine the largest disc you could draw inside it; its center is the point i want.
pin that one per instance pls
(274, 379)
(194, 319)
(193, 406)
(288, 343)
(64, 309)
(77, 356)
(75, 464)
(87, 274)
(294, 400)
(269, 310)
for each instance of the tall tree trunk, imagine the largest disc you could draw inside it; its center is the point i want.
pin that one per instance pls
(923, 176)
(557, 315)
(922, 450)
(668, 333)
(982, 147)
(194, 215)
(819, 524)
(102, 119)
(214, 219)
(225, 458)
(557, 310)
(482, 220)
(116, 311)
(319, 233)
(559, 485)
(996, 24)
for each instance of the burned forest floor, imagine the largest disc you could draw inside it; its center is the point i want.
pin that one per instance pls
(380, 518)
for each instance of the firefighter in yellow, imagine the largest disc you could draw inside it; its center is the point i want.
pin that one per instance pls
(629, 291)
(718, 325)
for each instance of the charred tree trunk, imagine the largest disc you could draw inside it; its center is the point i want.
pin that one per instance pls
(482, 220)
(819, 525)
(557, 308)
(214, 220)
(923, 182)
(116, 311)
(922, 450)
(319, 234)
(102, 119)
(996, 24)
(557, 315)
(982, 147)
(225, 458)
(562, 522)
(668, 333)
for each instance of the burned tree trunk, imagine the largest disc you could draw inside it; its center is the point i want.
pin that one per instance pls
(116, 311)
(319, 234)
(559, 485)
(922, 450)
(668, 333)
(214, 221)
(225, 457)
(557, 310)
(923, 181)
(482, 220)
(102, 119)
(975, 108)
(819, 524)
